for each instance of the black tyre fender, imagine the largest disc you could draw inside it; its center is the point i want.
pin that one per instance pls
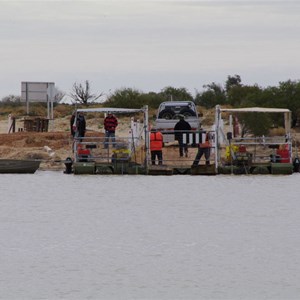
(187, 112)
(166, 114)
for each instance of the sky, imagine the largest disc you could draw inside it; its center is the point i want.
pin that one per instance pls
(147, 45)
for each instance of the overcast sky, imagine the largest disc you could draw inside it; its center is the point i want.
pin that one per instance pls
(148, 45)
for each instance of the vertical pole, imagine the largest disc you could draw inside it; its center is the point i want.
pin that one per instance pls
(130, 139)
(147, 138)
(191, 138)
(231, 165)
(27, 98)
(217, 124)
(52, 115)
(48, 108)
(9, 123)
(287, 125)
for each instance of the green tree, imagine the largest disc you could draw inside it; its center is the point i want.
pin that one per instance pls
(232, 81)
(151, 99)
(256, 123)
(175, 94)
(288, 95)
(125, 98)
(238, 95)
(213, 95)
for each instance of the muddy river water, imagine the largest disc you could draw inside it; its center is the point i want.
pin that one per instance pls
(146, 237)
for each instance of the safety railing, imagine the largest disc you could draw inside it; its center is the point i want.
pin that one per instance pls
(190, 140)
(251, 150)
(101, 149)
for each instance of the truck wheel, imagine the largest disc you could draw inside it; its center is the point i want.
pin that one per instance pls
(187, 112)
(166, 114)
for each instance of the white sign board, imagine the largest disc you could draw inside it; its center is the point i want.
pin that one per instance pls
(38, 92)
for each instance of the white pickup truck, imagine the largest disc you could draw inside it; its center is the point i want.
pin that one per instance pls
(168, 115)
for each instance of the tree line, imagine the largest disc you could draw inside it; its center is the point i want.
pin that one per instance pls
(233, 93)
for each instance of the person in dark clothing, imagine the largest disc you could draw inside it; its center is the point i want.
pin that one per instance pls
(110, 125)
(180, 128)
(80, 126)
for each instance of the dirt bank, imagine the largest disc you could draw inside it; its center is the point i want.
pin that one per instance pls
(52, 146)
(49, 147)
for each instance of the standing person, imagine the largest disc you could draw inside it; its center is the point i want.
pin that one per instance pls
(156, 145)
(180, 128)
(80, 126)
(110, 125)
(203, 148)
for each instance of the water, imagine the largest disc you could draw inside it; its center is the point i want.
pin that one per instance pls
(143, 237)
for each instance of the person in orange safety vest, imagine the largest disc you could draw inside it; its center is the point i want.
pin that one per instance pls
(203, 148)
(156, 145)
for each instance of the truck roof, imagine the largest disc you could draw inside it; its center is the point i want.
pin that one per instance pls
(176, 103)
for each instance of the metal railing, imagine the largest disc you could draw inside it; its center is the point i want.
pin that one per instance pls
(100, 149)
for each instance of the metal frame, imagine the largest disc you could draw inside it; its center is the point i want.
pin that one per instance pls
(143, 110)
(287, 122)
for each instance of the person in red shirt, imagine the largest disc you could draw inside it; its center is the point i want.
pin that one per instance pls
(110, 125)
(156, 145)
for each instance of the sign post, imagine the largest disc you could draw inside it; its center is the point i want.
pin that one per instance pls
(38, 92)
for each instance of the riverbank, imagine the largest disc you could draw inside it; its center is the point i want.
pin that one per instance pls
(51, 147)
(54, 146)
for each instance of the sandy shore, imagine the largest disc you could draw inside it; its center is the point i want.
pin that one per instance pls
(52, 146)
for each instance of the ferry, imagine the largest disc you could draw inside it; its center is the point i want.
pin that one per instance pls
(230, 153)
